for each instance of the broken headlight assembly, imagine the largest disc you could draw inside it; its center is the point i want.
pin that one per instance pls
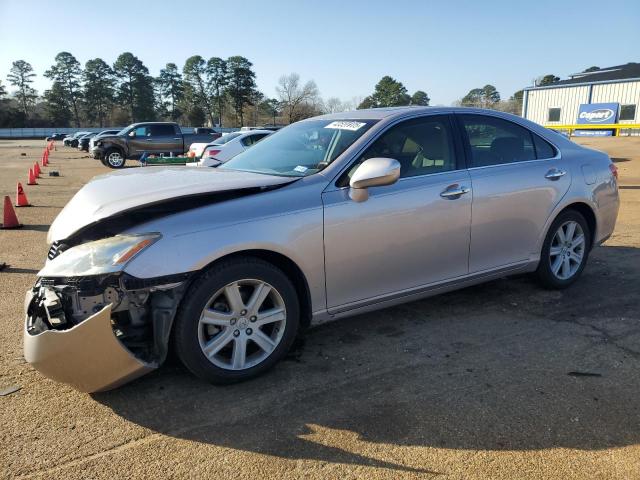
(108, 255)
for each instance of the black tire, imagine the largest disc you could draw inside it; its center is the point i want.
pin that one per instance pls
(544, 273)
(186, 331)
(109, 159)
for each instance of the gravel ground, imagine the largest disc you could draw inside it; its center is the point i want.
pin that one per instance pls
(503, 380)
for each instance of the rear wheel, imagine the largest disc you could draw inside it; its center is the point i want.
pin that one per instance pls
(114, 158)
(237, 321)
(565, 250)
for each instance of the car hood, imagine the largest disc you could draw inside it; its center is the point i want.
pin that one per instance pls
(117, 192)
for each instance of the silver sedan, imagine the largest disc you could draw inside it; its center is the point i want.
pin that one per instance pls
(329, 217)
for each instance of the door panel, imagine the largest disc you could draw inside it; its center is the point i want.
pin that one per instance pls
(511, 204)
(405, 235)
(164, 139)
(515, 188)
(140, 142)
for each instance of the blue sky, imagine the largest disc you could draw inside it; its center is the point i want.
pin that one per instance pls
(445, 48)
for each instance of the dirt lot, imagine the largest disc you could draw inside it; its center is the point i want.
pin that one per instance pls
(503, 380)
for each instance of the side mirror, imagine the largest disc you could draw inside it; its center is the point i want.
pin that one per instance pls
(374, 172)
(132, 133)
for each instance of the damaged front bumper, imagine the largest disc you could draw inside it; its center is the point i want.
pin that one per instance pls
(99, 338)
(88, 356)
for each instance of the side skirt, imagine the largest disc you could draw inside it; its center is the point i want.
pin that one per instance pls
(418, 293)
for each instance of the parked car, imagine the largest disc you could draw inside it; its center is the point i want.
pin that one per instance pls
(226, 147)
(329, 217)
(150, 137)
(72, 140)
(104, 133)
(83, 142)
(56, 136)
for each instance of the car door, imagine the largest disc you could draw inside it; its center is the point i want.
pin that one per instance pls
(165, 139)
(407, 235)
(140, 140)
(517, 179)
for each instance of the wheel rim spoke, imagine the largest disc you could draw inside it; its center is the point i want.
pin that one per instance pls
(213, 317)
(566, 267)
(560, 234)
(232, 292)
(571, 229)
(557, 263)
(554, 251)
(270, 316)
(577, 242)
(263, 341)
(239, 352)
(217, 343)
(258, 297)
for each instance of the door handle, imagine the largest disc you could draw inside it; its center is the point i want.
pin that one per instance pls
(177, 138)
(454, 191)
(555, 174)
(147, 139)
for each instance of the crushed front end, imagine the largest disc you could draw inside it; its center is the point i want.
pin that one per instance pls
(92, 325)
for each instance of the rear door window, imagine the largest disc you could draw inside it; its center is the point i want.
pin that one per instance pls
(495, 141)
(162, 130)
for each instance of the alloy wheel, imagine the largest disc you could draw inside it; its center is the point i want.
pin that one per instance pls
(567, 250)
(242, 324)
(115, 159)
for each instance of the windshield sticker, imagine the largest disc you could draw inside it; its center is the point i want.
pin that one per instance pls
(300, 169)
(342, 125)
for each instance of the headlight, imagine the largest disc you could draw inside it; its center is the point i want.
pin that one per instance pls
(102, 256)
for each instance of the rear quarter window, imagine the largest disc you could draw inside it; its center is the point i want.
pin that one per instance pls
(543, 148)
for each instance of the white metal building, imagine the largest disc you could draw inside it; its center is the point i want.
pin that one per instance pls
(561, 102)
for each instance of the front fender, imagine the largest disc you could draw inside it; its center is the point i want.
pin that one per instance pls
(122, 146)
(297, 236)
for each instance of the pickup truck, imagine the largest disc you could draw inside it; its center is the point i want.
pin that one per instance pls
(150, 137)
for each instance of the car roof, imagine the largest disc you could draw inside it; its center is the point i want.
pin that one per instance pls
(252, 132)
(397, 112)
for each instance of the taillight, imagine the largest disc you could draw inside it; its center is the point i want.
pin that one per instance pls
(212, 153)
(614, 170)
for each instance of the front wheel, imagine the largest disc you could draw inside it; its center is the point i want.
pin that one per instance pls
(114, 158)
(565, 251)
(237, 320)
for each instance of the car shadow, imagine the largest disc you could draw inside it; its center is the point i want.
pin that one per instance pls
(501, 366)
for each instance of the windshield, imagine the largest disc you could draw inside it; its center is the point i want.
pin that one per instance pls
(301, 149)
(225, 138)
(125, 130)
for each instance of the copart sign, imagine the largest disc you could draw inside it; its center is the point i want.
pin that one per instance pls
(595, 113)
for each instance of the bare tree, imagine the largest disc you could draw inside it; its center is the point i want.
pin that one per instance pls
(293, 96)
(333, 105)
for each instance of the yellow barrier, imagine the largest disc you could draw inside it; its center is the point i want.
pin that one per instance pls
(605, 126)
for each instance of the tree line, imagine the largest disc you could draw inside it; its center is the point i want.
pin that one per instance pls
(212, 91)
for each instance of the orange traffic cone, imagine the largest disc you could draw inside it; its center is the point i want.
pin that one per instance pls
(32, 178)
(10, 219)
(21, 197)
(36, 170)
